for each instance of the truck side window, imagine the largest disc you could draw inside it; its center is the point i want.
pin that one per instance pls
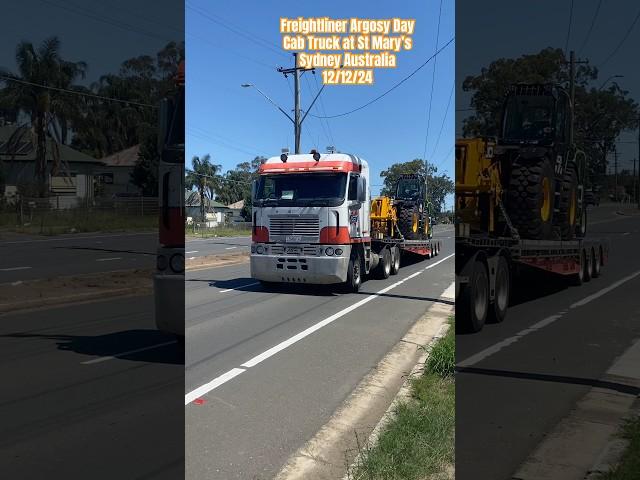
(353, 187)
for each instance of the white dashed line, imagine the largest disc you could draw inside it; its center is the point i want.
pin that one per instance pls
(129, 352)
(240, 286)
(108, 259)
(11, 269)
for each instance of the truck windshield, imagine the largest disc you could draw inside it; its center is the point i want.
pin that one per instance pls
(409, 189)
(302, 189)
(529, 118)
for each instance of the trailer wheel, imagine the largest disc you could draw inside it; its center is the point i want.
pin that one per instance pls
(503, 291)
(383, 270)
(588, 266)
(395, 260)
(354, 274)
(577, 278)
(568, 203)
(595, 261)
(475, 297)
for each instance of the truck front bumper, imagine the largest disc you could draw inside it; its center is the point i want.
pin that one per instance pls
(300, 268)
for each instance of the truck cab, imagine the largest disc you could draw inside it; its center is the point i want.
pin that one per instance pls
(310, 219)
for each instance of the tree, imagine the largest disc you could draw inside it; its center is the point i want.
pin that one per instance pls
(600, 115)
(145, 171)
(50, 110)
(439, 186)
(203, 178)
(235, 185)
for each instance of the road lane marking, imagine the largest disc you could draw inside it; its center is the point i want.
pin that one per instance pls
(230, 248)
(487, 352)
(108, 259)
(129, 352)
(240, 286)
(77, 238)
(192, 251)
(11, 269)
(215, 383)
(191, 258)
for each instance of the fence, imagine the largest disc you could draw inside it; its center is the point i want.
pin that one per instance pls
(229, 229)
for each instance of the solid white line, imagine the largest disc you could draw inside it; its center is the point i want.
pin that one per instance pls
(191, 258)
(108, 259)
(77, 238)
(13, 268)
(487, 352)
(240, 286)
(192, 251)
(143, 349)
(296, 338)
(215, 383)
(230, 248)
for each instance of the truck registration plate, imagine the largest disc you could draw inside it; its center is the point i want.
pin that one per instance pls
(293, 250)
(293, 238)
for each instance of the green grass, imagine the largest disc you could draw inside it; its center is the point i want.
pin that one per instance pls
(629, 467)
(57, 222)
(217, 232)
(419, 442)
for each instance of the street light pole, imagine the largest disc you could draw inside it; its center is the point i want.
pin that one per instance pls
(610, 78)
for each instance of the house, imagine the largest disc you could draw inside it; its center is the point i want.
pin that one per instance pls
(215, 212)
(114, 178)
(236, 211)
(72, 179)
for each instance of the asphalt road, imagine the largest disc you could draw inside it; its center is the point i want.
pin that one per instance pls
(68, 409)
(247, 427)
(517, 384)
(31, 257)
(215, 246)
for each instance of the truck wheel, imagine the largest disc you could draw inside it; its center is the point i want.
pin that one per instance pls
(588, 265)
(581, 230)
(567, 215)
(475, 298)
(395, 260)
(383, 270)
(503, 291)
(578, 278)
(354, 274)
(530, 199)
(595, 260)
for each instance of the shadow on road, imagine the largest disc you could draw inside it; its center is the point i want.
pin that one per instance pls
(533, 285)
(117, 344)
(543, 377)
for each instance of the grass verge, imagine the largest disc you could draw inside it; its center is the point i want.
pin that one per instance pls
(629, 466)
(56, 222)
(217, 232)
(419, 442)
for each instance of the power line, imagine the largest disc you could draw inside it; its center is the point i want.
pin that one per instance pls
(75, 92)
(324, 131)
(324, 112)
(443, 121)
(433, 81)
(624, 39)
(593, 22)
(392, 88)
(220, 143)
(566, 43)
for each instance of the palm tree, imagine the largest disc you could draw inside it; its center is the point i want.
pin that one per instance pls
(50, 110)
(204, 178)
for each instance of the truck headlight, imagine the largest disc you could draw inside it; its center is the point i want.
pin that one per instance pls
(161, 262)
(329, 251)
(338, 251)
(260, 249)
(177, 263)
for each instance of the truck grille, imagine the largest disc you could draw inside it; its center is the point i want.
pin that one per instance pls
(303, 226)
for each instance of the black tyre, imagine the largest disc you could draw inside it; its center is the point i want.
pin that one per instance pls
(567, 216)
(530, 199)
(500, 304)
(383, 270)
(578, 278)
(395, 260)
(595, 260)
(475, 298)
(409, 222)
(581, 229)
(354, 274)
(588, 265)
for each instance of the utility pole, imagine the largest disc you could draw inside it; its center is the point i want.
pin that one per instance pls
(615, 173)
(572, 91)
(638, 161)
(633, 178)
(297, 121)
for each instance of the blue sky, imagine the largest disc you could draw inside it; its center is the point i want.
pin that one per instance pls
(235, 124)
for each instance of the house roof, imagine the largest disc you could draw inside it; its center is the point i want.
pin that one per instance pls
(124, 158)
(239, 205)
(192, 199)
(23, 148)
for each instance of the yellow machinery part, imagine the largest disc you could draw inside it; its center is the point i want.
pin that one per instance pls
(383, 217)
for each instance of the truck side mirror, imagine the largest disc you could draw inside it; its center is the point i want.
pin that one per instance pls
(254, 190)
(362, 189)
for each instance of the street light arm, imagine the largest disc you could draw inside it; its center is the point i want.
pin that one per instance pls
(274, 104)
(312, 103)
